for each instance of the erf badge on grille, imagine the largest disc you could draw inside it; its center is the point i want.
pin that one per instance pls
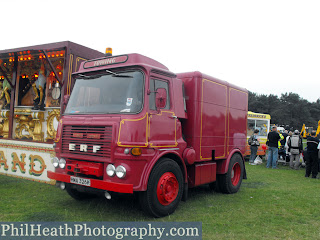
(84, 148)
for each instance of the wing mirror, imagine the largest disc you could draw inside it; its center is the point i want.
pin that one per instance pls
(161, 98)
(66, 99)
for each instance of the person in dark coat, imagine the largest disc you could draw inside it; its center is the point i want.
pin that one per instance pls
(272, 142)
(312, 155)
(284, 140)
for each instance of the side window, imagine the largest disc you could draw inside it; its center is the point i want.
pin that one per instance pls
(184, 97)
(154, 85)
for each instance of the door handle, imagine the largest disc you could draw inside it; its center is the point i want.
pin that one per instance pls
(174, 117)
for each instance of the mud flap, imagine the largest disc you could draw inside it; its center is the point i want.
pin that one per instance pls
(244, 171)
(185, 193)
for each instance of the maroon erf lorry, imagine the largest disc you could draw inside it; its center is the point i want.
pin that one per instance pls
(130, 125)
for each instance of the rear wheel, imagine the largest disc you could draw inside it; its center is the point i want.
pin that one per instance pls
(214, 186)
(165, 188)
(231, 181)
(74, 193)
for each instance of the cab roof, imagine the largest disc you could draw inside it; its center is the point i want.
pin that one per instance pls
(126, 60)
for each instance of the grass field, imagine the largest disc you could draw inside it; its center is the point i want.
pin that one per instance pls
(271, 204)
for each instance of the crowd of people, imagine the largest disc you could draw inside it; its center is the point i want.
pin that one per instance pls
(290, 146)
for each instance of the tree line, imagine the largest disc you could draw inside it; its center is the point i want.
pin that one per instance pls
(290, 110)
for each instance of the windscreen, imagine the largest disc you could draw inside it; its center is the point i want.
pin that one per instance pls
(107, 93)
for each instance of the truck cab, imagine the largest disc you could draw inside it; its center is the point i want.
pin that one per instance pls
(122, 131)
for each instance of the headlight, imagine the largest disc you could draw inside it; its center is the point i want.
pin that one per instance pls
(111, 170)
(62, 163)
(121, 171)
(55, 162)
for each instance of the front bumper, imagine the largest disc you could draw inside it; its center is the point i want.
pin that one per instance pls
(99, 184)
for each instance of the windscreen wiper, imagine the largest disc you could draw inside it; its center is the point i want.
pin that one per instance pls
(118, 75)
(89, 77)
(99, 75)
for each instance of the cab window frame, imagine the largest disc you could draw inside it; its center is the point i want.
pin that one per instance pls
(153, 88)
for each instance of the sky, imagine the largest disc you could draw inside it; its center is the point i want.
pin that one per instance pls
(267, 47)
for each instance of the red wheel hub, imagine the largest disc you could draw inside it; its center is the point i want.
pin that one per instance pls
(168, 188)
(235, 174)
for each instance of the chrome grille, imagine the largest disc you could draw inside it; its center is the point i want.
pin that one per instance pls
(89, 136)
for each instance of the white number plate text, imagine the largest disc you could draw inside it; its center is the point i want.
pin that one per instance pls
(80, 181)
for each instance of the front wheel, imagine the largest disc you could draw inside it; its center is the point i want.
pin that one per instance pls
(165, 188)
(231, 181)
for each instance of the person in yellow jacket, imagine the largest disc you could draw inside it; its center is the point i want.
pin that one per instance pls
(281, 151)
(279, 142)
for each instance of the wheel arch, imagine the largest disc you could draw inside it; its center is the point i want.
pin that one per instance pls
(222, 166)
(171, 155)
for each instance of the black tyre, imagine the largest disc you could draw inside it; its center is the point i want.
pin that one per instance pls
(214, 186)
(231, 181)
(165, 189)
(74, 193)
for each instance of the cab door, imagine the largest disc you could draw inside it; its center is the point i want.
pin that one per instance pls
(162, 121)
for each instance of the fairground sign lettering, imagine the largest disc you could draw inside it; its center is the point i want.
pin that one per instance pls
(36, 164)
(30, 161)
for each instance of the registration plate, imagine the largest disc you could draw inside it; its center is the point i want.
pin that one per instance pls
(80, 181)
